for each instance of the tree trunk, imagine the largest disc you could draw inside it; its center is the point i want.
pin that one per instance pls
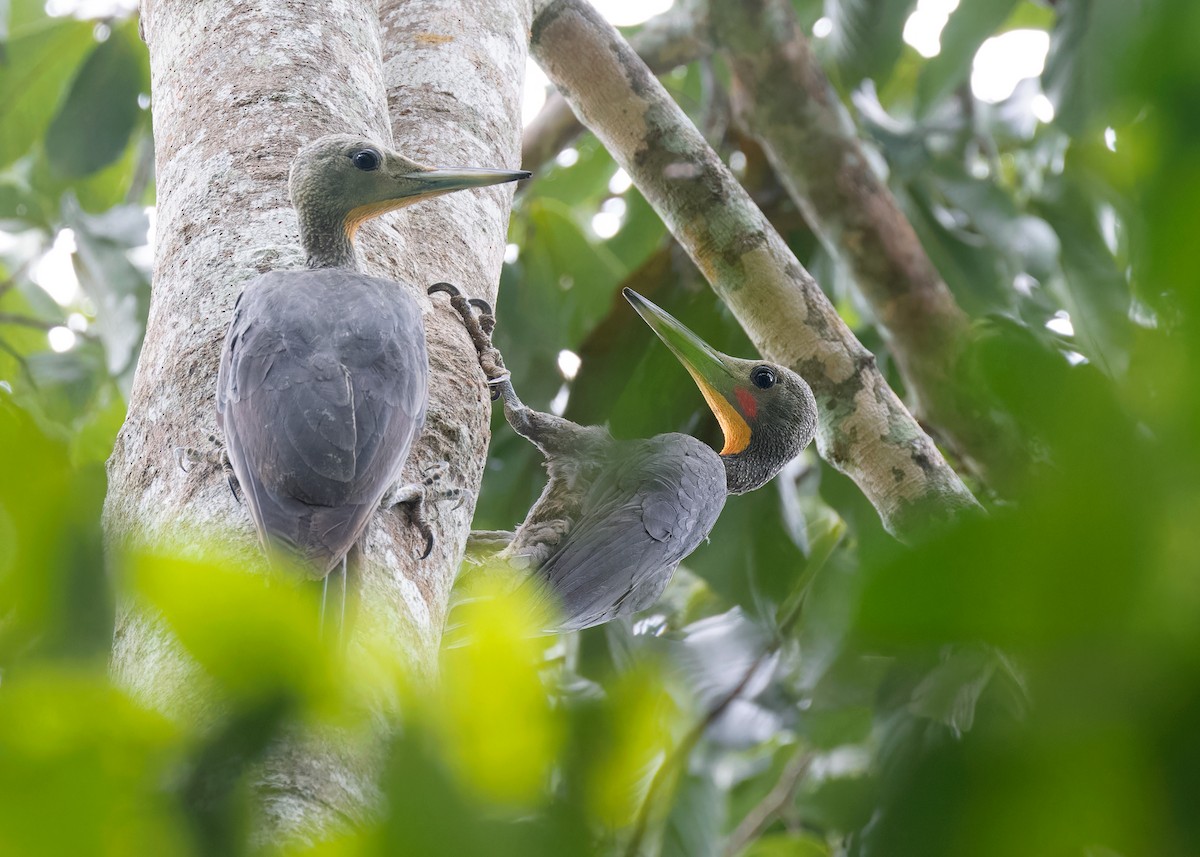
(864, 429)
(237, 89)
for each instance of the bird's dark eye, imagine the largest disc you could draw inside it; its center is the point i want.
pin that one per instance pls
(763, 377)
(366, 160)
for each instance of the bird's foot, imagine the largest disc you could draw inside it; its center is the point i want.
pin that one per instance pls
(186, 457)
(416, 498)
(480, 321)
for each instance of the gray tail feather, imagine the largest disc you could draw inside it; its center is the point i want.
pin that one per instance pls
(333, 604)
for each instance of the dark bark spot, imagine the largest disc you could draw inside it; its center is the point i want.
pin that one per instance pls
(835, 400)
(640, 78)
(741, 245)
(541, 22)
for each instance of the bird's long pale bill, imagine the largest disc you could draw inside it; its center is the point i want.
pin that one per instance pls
(705, 364)
(444, 179)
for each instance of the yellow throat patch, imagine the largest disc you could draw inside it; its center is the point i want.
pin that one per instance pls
(733, 425)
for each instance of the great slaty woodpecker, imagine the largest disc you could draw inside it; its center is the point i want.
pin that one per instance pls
(617, 516)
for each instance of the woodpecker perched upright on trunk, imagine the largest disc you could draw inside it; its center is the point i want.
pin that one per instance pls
(323, 380)
(617, 516)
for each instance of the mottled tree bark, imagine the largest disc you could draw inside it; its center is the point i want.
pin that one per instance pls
(864, 431)
(237, 89)
(453, 74)
(674, 38)
(783, 96)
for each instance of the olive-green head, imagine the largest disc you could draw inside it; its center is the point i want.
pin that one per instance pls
(341, 180)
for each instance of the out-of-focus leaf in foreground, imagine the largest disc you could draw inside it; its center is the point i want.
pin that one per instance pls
(490, 687)
(82, 769)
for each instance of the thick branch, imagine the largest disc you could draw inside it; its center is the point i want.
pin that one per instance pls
(784, 97)
(664, 42)
(453, 74)
(864, 429)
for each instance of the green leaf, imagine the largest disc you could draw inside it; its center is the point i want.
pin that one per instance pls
(40, 64)
(258, 641)
(750, 557)
(20, 203)
(787, 845)
(950, 691)
(68, 735)
(1093, 289)
(694, 826)
(120, 291)
(969, 25)
(867, 37)
(562, 259)
(640, 234)
(92, 441)
(1029, 15)
(585, 182)
(23, 15)
(971, 267)
(1083, 69)
(96, 119)
(49, 522)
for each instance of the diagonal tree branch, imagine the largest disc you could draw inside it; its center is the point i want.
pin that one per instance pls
(760, 817)
(783, 96)
(674, 38)
(864, 429)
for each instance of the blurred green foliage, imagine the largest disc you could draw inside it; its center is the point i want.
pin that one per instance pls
(1026, 683)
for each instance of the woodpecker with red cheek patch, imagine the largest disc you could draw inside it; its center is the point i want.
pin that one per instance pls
(617, 517)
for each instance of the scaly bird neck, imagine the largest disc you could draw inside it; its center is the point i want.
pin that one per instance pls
(756, 465)
(325, 240)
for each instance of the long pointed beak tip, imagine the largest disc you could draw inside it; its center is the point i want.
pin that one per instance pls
(444, 179)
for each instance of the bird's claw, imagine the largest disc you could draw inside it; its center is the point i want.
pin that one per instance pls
(186, 458)
(183, 458)
(449, 288)
(434, 472)
(427, 532)
(480, 321)
(496, 384)
(417, 497)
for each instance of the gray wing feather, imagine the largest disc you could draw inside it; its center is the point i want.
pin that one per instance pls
(321, 392)
(658, 501)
